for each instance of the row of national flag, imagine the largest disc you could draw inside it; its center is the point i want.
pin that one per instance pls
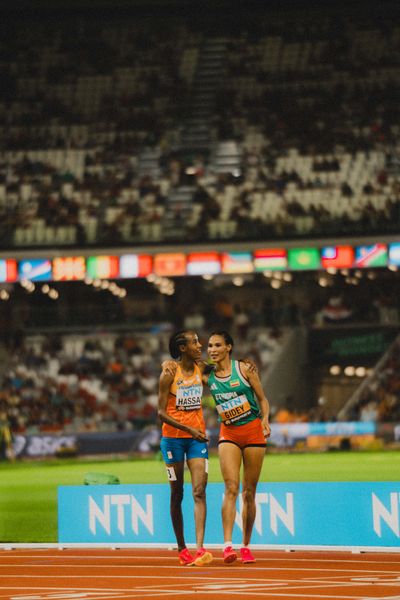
(175, 264)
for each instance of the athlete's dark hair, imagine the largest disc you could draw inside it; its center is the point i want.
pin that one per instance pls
(178, 339)
(227, 337)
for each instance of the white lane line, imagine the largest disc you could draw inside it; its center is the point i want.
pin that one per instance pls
(367, 574)
(81, 589)
(65, 593)
(262, 593)
(224, 585)
(384, 581)
(138, 577)
(57, 592)
(78, 577)
(70, 594)
(286, 593)
(384, 598)
(289, 586)
(138, 592)
(328, 580)
(177, 581)
(120, 554)
(61, 588)
(125, 596)
(266, 592)
(309, 595)
(214, 567)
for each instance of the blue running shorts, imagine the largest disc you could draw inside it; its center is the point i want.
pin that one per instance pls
(175, 450)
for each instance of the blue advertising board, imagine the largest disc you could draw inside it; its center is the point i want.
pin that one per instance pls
(362, 515)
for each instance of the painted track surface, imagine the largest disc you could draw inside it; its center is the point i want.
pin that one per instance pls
(98, 574)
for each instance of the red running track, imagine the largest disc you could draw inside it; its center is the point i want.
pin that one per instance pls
(102, 574)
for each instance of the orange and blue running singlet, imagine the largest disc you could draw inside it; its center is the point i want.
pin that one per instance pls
(184, 403)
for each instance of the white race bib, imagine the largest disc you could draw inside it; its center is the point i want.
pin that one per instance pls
(189, 397)
(234, 409)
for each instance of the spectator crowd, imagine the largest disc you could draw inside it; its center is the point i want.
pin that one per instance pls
(83, 383)
(303, 130)
(101, 144)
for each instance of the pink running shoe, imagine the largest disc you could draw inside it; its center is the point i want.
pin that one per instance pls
(185, 558)
(229, 555)
(201, 558)
(246, 555)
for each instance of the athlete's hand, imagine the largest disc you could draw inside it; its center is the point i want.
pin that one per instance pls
(198, 435)
(266, 427)
(251, 365)
(169, 367)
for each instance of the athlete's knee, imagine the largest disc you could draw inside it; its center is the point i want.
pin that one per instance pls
(249, 492)
(177, 495)
(231, 488)
(199, 492)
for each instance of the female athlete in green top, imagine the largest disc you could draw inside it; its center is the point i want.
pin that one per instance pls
(234, 397)
(243, 411)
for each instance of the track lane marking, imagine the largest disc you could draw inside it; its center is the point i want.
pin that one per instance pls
(213, 567)
(265, 587)
(62, 554)
(138, 592)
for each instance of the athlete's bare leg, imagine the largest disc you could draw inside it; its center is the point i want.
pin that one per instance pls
(230, 458)
(199, 476)
(176, 487)
(253, 457)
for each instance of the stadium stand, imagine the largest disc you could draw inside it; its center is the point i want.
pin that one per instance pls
(378, 398)
(89, 362)
(121, 132)
(117, 132)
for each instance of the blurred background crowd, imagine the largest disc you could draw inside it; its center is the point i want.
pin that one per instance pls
(265, 124)
(252, 125)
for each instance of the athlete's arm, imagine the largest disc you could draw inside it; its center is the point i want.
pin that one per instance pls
(254, 380)
(205, 369)
(163, 392)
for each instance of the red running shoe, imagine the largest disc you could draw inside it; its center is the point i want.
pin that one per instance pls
(229, 555)
(185, 558)
(246, 555)
(201, 558)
